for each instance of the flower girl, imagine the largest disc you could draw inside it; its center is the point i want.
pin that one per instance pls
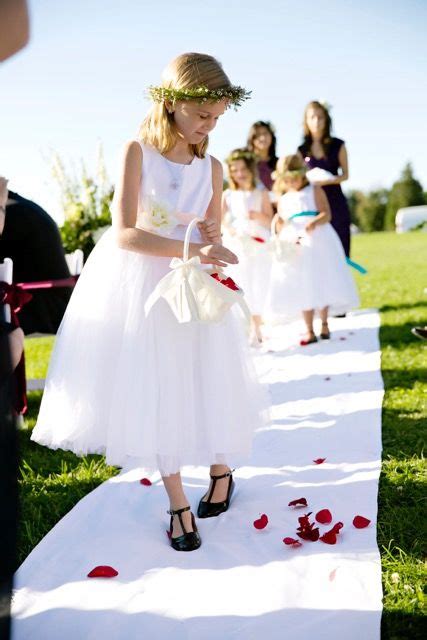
(313, 274)
(143, 388)
(247, 214)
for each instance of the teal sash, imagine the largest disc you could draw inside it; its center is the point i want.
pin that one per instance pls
(350, 263)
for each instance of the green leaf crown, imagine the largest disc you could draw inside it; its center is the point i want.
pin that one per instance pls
(241, 154)
(234, 95)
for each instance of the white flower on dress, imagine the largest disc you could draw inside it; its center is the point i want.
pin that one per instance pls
(157, 216)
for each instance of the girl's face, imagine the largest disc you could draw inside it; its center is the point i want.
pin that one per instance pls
(294, 183)
(262, 139)
(240, 173)
(316, 121)
(195, 121)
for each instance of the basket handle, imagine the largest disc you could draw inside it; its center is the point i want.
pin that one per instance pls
(187, 238)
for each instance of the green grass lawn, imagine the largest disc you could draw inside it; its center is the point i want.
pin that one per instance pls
(53, 481)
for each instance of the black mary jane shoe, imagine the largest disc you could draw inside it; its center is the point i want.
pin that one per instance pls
(325, 335)
(208, 509)
(189, 540)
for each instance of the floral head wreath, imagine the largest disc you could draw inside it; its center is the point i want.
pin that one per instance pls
(234, 95)
(289, 173)
(240, 154)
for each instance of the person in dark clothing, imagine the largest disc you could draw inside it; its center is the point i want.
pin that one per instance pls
(30, 237)
(320, 149)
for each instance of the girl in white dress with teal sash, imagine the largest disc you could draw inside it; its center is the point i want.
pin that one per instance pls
(145, 389)
(316, 276)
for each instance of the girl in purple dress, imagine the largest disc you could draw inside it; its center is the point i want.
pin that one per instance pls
(320, 149)
(262, 142)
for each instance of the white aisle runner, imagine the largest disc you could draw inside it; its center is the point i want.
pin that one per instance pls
(243, 583)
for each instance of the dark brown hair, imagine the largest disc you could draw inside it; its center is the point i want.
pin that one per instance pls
(272, 157)
(326, 136)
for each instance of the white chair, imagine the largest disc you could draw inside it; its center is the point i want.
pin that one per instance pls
(75, 262)
(6, 275)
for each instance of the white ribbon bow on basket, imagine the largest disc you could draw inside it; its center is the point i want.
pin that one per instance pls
(283, 246)
(191, 292)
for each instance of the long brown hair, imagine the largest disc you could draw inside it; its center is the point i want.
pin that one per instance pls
(326, 135)
(250, 163)
(272, 157)
(187, 71)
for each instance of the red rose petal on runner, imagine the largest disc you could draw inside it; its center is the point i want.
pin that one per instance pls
(319, 460)
(258, 239)
(327, 378)
(360, 522)
(343, 338)
(306, 530)
(103, 571)
(337, 527)
(146, 482)
(292, 542)
(299, 502)
(324, 516)
(262, 522)
(329, 537)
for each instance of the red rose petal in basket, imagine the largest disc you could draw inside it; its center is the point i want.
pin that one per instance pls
(103, 571)
(319, 460)
(146, 482)
(291, 542)
(215, 276)
(258, 239)
(324, 516)
(229, 282)
(360, 522)
(299, 502)
(262, 522)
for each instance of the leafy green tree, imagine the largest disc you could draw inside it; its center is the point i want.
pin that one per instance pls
(371, 210)
(406, 192)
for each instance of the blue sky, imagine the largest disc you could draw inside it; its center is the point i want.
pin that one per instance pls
(81, 79)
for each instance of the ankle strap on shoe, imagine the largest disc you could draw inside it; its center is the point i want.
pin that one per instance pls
(224, 475)
(177, 512)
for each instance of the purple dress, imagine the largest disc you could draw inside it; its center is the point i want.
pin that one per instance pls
(264, 172)
(336, 198)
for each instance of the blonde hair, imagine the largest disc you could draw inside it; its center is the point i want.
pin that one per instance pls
(250, 163)
(187, 71)
(287, 167)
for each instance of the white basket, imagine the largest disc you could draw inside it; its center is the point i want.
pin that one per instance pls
(284, 248)
(191, 292)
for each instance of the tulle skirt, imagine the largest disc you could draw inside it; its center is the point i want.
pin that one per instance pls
(314, 277)
(146, 391)
(252, 273)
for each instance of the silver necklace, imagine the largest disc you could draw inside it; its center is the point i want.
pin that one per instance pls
(176, 175)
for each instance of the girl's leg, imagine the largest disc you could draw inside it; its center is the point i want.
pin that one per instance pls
(221, 486)
(177, 500)
(308, 319)
(324, 318)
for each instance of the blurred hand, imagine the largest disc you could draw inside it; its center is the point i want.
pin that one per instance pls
(209, 231)
(310, 226)
(215, 254)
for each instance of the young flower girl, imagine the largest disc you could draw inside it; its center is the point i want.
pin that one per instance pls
(247, 215)
(147, 390)
(315, 275)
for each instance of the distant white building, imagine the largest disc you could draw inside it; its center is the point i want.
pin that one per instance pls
(410, 217)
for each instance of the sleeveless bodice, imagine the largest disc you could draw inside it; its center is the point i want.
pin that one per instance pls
(239, 203)
(172, 194)
(297, 202)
